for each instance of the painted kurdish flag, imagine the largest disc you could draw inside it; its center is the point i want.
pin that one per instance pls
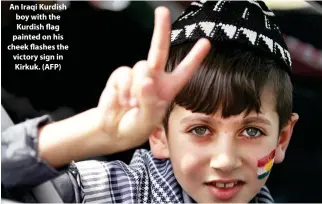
(265, 165)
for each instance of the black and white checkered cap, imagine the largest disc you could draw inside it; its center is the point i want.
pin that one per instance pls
(249, 23)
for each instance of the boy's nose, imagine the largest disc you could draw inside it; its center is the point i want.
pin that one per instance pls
(225, 158)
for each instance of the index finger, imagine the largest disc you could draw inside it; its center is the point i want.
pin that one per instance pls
(183, 72)
(159, 48)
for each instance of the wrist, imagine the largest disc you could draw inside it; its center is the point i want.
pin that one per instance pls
(75, 138)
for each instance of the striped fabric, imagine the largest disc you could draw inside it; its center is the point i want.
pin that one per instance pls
(145, 180)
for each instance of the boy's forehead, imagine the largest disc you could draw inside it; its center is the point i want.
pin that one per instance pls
(268, 108)
(183, 116)
(267, 97)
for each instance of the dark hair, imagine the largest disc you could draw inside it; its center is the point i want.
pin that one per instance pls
(231, 78)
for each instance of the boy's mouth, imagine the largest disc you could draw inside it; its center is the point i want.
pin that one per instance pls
(225, 183)
(225, 189)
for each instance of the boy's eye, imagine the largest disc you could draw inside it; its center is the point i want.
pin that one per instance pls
(200, 131)
(252, 132)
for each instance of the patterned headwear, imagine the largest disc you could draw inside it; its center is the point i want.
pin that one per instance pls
(247, 23)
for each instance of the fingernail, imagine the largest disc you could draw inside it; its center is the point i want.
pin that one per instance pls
(133, 102)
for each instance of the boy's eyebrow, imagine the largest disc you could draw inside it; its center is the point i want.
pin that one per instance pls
(209, 119)
(256, 119)
(197, 117)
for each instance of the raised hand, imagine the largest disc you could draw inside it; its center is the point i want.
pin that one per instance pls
(134, 101)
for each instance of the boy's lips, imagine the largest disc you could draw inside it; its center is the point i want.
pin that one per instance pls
(225, 189)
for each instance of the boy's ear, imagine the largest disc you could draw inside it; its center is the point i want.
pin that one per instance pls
(159, 144)
(284, 138)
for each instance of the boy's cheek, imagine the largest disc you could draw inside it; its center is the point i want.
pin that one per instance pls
(258, 163)
(189, 160)
(265, 165)
(190, 163)
(190, 170)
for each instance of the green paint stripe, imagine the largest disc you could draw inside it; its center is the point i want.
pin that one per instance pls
(263, 175)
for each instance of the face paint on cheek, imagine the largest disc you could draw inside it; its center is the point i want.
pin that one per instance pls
(264, 165)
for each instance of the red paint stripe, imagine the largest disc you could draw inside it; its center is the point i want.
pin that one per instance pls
(266, 159)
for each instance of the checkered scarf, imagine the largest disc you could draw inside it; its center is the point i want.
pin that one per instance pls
(145, 180)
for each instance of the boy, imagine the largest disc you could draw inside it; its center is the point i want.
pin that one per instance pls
(216, 120)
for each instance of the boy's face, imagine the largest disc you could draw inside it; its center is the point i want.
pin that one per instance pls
(207, 151)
